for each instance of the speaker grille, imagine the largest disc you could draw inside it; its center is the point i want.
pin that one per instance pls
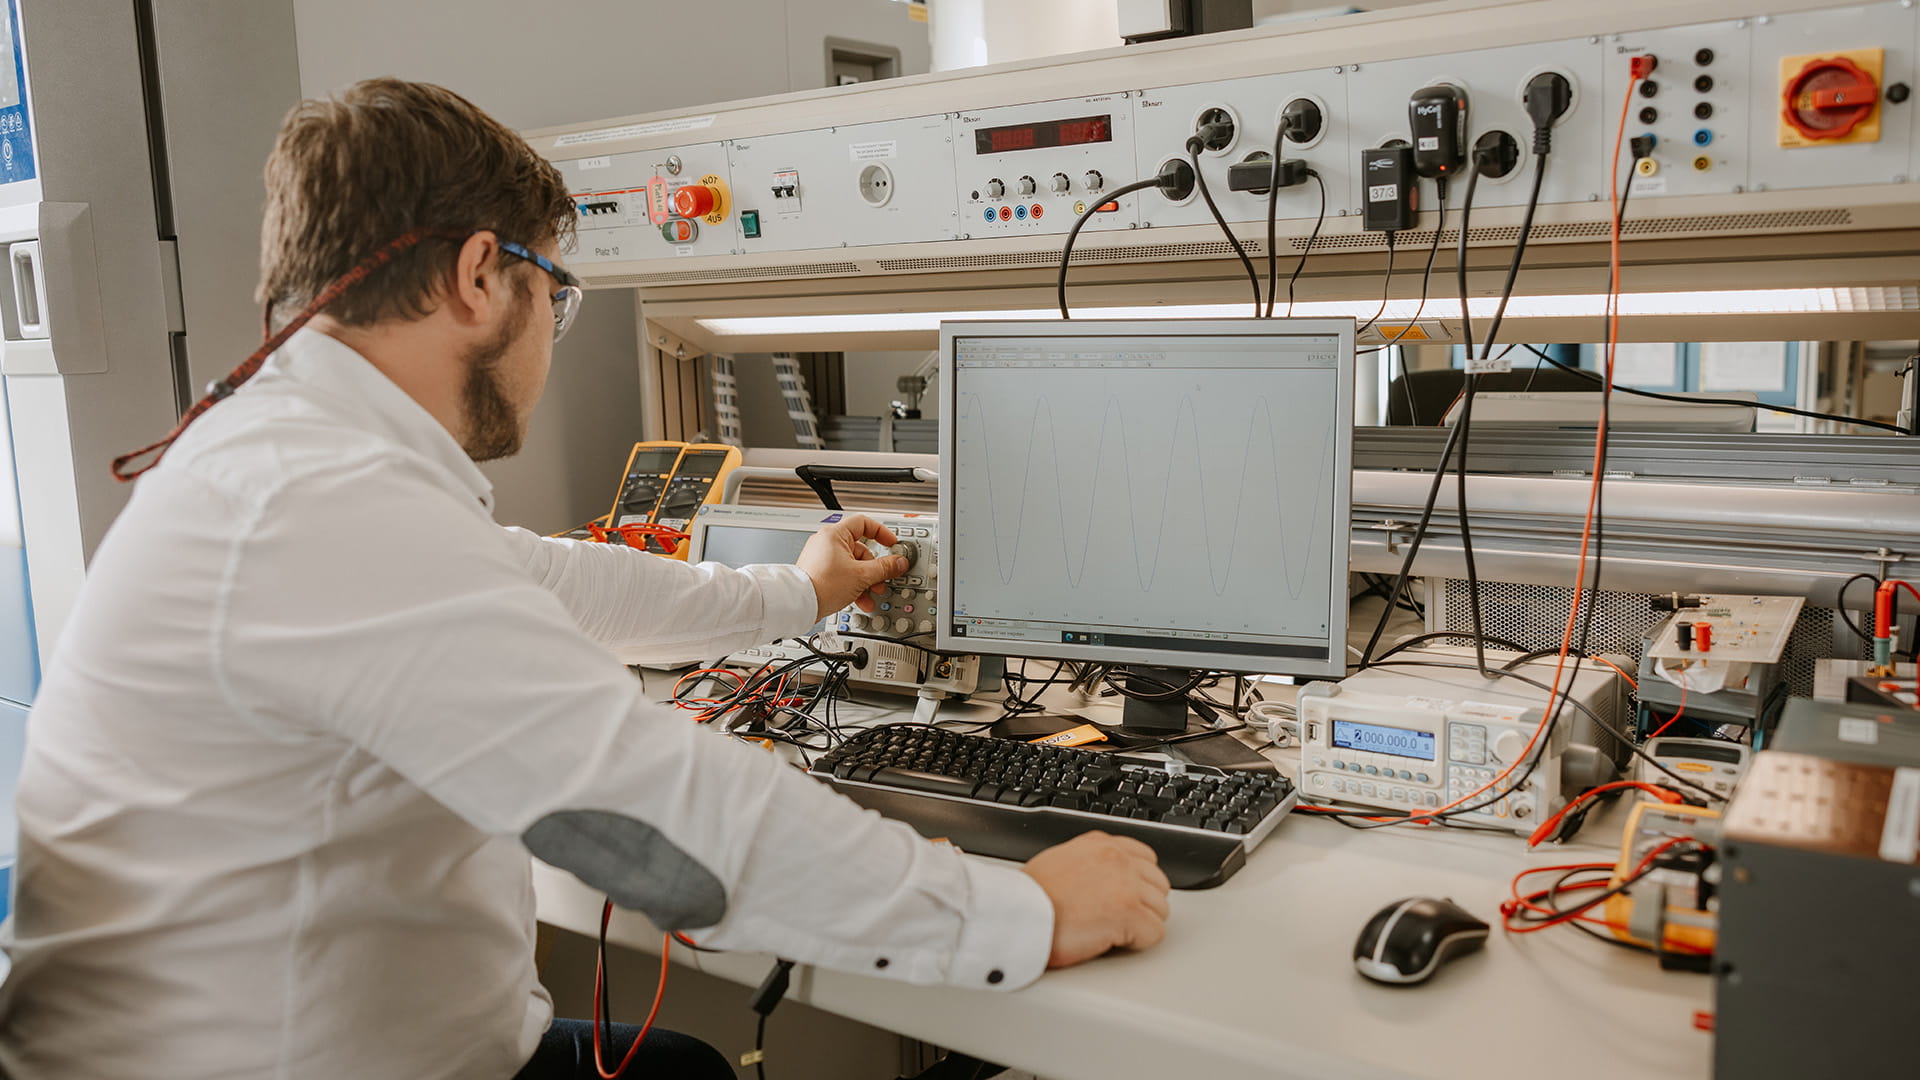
(1536, 616)
(1080, 255)
(694, 277)
(1594, 230)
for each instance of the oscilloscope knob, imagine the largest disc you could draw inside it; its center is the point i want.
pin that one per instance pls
(907, 550)
(902, 625)
(1028, 185)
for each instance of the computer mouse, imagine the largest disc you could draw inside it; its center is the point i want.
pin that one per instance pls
(1408, 940)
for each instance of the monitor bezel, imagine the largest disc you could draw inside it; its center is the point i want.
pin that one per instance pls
(1334, 665)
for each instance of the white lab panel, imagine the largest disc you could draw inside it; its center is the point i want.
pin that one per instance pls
(1692, 154)
(1887, 160)
(884, 183)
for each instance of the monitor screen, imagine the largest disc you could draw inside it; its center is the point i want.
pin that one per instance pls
(1170, 493)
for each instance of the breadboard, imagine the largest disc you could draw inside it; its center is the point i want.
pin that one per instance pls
(1746, 629)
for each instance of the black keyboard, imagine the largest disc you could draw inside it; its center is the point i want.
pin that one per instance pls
(1015, 799)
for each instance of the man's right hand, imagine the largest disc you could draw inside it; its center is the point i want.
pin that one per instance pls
(1107, 892)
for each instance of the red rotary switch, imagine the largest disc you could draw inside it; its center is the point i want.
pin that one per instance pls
(695, 201)
(1829, 98)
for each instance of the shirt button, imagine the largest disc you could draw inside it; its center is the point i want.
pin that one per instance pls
(995, 976)
(880, 963)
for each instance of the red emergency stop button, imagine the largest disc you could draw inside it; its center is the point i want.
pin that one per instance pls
(1829, 98)
(695, 201)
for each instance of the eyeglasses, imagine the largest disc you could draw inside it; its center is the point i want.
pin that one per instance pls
(566, 302)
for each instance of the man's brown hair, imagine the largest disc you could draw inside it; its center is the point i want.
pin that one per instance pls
(350, 174)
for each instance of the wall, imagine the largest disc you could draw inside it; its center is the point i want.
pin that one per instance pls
(536, 65)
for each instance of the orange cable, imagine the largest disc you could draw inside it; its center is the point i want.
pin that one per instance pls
(1671, 720)
(599, 989)
(1599, 460)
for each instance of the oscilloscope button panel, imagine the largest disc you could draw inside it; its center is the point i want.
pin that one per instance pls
(981, 173)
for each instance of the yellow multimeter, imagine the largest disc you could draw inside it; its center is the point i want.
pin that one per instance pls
(649, 467)
(1689, 923)
(666, 483)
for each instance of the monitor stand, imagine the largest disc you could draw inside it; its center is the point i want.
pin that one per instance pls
(1155, 717)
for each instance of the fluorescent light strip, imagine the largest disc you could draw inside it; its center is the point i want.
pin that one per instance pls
(1722, 302)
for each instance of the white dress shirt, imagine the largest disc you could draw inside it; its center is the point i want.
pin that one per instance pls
(311, 713)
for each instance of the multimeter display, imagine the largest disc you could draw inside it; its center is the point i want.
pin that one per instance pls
(645, 479)
(1380, 739)
(690, 483)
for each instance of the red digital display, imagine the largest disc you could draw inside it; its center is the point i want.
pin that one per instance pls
(1043, 135)
(1011, 138)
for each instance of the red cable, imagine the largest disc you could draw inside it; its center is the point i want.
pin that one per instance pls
(1883, 604)
(1518, 902)
(1671, 720)
(123, 469)
(600, 989)
(1600, 430)
(1549, 826)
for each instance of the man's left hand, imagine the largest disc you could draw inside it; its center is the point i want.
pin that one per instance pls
(844, 569)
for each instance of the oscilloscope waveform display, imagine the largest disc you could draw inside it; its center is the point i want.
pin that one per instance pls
(1229, 513)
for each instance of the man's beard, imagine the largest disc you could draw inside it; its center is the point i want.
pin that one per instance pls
(493, 424)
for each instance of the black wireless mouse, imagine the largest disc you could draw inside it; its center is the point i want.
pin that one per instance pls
(1408, 940)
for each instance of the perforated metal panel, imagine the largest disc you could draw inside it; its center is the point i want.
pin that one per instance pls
(1506, 234)
(1536, 616)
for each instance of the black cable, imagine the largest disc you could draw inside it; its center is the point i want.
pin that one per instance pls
(1696, 400)
(1840, 605)
(1066, 251)
(1413, 546)
(1553, 901)
(1167, 691)
(760, 1047)
(1194, 147)
(1386, 290)
(1312, 238)
(1273, 209)
(1519, 252)
(896, 641)
(1402, 646)
(1464, 423)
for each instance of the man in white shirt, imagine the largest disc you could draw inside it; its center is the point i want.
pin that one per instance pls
(315, 708)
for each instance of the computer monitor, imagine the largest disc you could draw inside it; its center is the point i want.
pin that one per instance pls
(1172, 494)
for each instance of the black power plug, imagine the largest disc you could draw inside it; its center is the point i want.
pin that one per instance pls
(1547, 98)
(1438, 117)
(1495, 154)
(1213, 135)
(1175, 179)
(1256, 173)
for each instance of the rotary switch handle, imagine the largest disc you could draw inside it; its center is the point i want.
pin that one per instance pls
(1829, 98)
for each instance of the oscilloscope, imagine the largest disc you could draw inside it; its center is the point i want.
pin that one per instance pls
(1172, 493)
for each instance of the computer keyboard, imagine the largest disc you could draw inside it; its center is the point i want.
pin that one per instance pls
(1014, 799)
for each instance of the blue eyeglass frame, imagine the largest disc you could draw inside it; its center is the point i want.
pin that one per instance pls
(566, 302)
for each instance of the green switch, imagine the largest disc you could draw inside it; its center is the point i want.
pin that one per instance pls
(750, 224)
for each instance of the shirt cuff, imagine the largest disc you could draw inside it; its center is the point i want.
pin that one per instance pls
(1006, 934)
(790, 606)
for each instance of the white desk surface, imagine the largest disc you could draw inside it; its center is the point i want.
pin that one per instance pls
(1256, 979)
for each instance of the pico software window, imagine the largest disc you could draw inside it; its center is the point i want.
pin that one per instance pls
(1161, 493)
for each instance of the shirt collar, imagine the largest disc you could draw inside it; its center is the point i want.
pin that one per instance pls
(332, 367)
